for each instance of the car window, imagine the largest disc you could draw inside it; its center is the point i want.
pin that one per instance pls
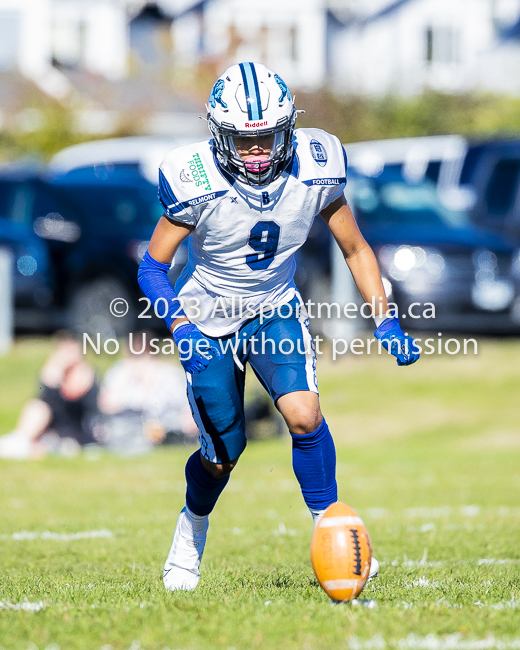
(433, 170)
(398, 203)
(114, 194)
(15, 201)
(118, 173)
(115, 204)
(470, 163)
(6, 197)
(49, 201)
(501, 189)
(395, 168)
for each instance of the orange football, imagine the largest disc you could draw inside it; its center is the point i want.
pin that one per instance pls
(341, 552)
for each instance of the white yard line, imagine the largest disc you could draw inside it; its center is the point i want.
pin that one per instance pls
(455, 641)
(25, 606)
(405, 562)
(424, 582)
(442, 602)
(60, 537)
(439, 512)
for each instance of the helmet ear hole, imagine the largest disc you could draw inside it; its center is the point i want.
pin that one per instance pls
(251, 100)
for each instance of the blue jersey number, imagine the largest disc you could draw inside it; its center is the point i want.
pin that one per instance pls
(263, 239)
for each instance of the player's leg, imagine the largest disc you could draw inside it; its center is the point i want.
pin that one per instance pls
(314, 454)
(313, 451)
(290, 378)
(285, 362)
(216, 398)
(182, 565)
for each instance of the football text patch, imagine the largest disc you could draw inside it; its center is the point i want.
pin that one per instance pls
(325, 181)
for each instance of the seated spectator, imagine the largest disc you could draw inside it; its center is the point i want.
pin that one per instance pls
(61, 418)
(144, 401)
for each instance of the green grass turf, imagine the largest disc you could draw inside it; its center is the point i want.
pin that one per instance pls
(428, 455)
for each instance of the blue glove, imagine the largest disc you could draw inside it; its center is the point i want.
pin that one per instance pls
(394, 340)
(195, 350)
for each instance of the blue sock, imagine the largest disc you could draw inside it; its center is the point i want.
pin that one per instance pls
(314, 463)
(202, 490)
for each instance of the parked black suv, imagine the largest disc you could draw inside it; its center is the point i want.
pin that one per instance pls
(429, 252)
(91, 226)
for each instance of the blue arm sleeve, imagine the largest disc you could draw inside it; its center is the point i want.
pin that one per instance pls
(153, 280)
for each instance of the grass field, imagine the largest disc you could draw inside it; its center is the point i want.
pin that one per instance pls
(428, 455)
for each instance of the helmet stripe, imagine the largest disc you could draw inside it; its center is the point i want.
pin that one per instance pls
(252, 90)
(257, 92)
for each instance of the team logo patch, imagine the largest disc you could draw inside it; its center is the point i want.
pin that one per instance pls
(216, 94)
(185, 178)
(283, 88)
(318, 153)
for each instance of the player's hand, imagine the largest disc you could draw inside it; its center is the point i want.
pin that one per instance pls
(195, 350)
(396, 342)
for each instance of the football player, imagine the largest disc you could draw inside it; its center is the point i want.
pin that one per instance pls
(246, 199)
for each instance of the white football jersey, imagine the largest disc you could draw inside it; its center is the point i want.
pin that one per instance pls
(241, 253)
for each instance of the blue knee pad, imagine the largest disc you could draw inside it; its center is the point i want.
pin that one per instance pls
(202, 490)
(314, 464)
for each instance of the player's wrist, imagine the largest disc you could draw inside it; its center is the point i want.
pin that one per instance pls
(183, 320)
(380, 318)
(388, 328)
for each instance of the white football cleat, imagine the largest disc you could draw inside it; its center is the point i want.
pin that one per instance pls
(181, 569)
(374, 569)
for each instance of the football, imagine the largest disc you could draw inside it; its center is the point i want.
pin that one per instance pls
(341, 552)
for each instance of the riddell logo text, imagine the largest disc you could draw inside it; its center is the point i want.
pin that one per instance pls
(256, 124)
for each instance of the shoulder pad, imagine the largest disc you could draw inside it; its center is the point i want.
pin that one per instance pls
(189, 179)
(322, 158)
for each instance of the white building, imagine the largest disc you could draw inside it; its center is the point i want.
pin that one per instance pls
(370, 47)
(405, 46)
(367, 47)
(289, 36)
(89, 34)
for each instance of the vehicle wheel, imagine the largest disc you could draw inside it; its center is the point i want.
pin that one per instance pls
(89, 309)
